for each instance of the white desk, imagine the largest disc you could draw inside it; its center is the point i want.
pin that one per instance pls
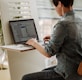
(21, 63)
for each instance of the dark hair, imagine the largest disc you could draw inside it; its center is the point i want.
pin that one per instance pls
(66, 3)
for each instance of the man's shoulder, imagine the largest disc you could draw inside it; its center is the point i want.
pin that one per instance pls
(61, 23)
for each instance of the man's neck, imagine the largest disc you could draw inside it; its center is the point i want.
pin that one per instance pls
(66, 10)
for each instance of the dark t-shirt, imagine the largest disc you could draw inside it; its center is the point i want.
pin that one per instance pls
(65, 42)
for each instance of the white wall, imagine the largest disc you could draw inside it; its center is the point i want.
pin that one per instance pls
(0, 12)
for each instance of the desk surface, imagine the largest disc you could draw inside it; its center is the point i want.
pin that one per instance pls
(18, 47)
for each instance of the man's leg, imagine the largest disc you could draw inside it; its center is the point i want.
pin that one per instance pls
(43, 75)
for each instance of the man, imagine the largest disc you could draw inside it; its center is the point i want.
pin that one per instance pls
(64, 42)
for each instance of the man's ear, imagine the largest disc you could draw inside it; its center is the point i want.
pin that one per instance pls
(60, 4)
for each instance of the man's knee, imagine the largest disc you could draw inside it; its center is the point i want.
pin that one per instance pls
(28, 77)
(25, 77)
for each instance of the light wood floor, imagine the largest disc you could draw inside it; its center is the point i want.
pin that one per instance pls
(4, 75)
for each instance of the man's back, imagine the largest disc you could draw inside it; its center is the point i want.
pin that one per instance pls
(70, 53)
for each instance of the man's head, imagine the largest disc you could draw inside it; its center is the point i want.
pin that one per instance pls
(63, 6)
(66, 3)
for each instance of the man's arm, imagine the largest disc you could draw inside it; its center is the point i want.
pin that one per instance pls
(39, 47)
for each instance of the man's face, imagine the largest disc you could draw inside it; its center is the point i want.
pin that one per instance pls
(59, 9)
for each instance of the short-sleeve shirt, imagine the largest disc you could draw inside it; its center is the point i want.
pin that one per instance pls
(65, 42)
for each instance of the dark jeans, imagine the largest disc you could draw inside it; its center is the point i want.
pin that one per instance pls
(46, 74)
(74, 76)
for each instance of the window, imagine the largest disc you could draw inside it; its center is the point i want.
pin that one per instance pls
(78, 7)
(48, 16)
(19, 9)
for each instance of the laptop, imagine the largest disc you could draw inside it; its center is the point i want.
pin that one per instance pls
(23, 30)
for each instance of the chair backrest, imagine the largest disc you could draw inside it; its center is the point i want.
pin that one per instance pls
(80, 69)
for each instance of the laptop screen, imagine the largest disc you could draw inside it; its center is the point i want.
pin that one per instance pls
(23, 30)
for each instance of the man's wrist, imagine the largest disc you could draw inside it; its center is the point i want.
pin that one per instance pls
(33, 44)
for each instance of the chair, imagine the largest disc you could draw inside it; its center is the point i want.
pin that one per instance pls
(80, 69)
(78, 75)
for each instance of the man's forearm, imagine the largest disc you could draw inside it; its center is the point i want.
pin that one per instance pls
(41, 49)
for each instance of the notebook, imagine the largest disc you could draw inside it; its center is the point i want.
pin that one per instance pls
(23, 30)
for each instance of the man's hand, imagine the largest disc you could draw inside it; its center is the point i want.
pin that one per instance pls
(31, 42)
(46, 38)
